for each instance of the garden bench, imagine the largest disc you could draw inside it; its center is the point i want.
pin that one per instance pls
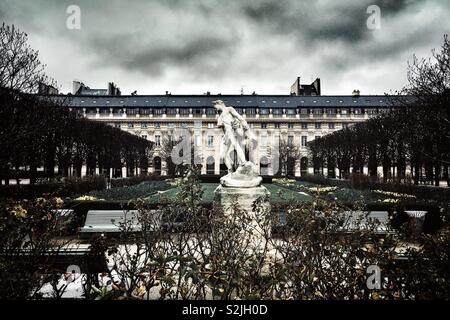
(364, 218)
(109, 221)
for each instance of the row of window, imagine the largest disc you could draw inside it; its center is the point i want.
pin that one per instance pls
(210, 140)
(247, 111)
(211, 125)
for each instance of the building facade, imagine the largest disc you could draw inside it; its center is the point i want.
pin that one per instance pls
(297, 118)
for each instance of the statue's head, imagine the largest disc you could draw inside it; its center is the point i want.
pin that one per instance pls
(218, 104)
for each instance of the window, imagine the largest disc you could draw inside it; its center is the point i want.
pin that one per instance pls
(210, 125)
(130, 126)
(198, 140)
(250, 111)
(158, 141)
(117, 125)
(357, 111)
(304, 141)
(211, 111)
(277, 111)
(318, 111)
(159, 111)
(290, 111)
(210, 141)
(145, 111)
(132, 111)
(184, 112)
(263, 141)
(157, 125)
(318, 125)
(344, 111)
(331, 125)
(263, 111)
(304, 125)
(263, 125)
(290, 126)
(277, 126)
(345, 125)
(303, 111)
(143, 125)
(290, 141)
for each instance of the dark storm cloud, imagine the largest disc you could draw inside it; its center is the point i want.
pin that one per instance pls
(287, 17)
(392, 7)
(317, 22)
(212, 40)
(193, 53)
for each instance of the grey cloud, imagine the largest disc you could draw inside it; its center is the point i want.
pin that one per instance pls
(318, 22)
(230, 40)
(155, 56)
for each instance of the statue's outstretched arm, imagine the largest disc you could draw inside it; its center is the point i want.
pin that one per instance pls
(239, 117)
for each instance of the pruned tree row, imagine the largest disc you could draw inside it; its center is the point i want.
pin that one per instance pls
(40, 132)
(413, 136)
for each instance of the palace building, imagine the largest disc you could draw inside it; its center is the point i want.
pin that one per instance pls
(297, 118)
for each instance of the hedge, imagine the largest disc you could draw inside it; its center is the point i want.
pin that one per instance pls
(421, 192)
(66, 188)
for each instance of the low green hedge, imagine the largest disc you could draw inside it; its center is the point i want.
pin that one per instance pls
(421, 192)
(66, 188)
(142, 190)
(131, 181)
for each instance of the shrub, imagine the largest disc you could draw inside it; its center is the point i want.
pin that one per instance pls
(131, 181)
(65, 188)
(358, 182)
(142, 190)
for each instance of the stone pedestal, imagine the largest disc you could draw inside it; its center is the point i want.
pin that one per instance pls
(258, 226)
(243, 196)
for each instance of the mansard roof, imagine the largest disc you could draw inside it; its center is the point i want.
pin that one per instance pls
(239, 101)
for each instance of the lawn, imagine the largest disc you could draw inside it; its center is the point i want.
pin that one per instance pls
(127, 193)
(278, 194)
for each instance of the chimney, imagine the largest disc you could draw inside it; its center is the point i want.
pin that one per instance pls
(356, 93)
(76, 86)
(46, 89)
(113, 90)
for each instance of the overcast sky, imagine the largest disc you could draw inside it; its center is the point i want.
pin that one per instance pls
(190, 47)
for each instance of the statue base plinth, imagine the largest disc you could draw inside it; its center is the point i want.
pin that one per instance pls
(244, 196)
(246, 176)
(258, 226)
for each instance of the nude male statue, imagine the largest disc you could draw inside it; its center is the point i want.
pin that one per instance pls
(235, 129)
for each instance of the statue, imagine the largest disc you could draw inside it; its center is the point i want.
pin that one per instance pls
(236, 136)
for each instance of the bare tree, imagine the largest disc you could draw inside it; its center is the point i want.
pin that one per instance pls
(20, 68)
(288, 154)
